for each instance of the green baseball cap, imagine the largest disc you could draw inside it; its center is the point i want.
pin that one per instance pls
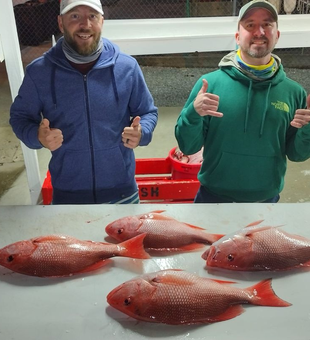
(258, 4)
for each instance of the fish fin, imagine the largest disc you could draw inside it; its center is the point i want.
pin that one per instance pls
(190, 247)
(150, 214)
(158, 211)
(134, 247)
(262, 294)
(169, 250)
(223, 281)
(306, 264)
(194, 226)
(254, 223)
(45, 238)
(214, 237)
(94, 266)
(155, 215)
(168, 278)
(230, 313)
(256, 230)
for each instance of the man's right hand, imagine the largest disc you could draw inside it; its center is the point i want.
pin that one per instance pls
(206, 104)
(50, 138)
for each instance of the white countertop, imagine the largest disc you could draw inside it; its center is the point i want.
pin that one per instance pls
(75, 308)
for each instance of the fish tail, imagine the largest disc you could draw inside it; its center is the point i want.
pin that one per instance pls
(262, 294)
(134, 247)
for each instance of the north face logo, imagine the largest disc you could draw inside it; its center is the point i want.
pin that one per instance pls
(281, 106)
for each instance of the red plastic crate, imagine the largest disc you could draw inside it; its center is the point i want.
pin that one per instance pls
(156, 183)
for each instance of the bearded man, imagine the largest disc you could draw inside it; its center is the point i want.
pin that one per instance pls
(88, 103)
(248, 116)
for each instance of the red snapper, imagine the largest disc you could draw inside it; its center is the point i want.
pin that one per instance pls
(177, 297)
(162, 232)
(255, 248)
(61, 255)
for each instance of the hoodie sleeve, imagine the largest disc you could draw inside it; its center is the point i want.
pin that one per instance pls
(142, 104)
(298, 144)
(298, 141)
(190, 128)
(25, 114)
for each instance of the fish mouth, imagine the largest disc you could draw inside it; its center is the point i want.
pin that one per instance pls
(112, 296)
(210, 257)
(206, 254)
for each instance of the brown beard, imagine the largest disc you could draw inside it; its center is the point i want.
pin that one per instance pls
(258, 54)
(82, 50)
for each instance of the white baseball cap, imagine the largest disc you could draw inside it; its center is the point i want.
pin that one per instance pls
(67, 5)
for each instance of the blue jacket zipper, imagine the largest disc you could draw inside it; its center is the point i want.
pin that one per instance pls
(90, 138)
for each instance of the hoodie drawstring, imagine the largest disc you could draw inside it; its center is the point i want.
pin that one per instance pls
(53, 85)
(114, 83)
(265, 112)
(248, 107)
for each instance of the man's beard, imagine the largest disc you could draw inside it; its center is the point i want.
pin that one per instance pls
(82, 50)
(258, 53)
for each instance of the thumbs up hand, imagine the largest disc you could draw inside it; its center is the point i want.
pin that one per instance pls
(207, 103)
(50, 138)
(302, 116)
(131, 135)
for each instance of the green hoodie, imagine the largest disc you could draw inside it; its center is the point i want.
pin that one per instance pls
(245, 151)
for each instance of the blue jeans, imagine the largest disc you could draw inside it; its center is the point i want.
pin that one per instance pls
(204, 196)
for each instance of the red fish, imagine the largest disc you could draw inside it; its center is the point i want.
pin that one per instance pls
(255, 248)
(163, 233)
(61, 255)
(177, 297)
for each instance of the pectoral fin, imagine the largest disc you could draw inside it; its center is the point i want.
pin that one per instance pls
(230, 313)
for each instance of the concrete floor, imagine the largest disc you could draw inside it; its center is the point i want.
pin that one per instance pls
(13, 178)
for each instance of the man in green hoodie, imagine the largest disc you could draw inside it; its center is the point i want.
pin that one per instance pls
(248, 116)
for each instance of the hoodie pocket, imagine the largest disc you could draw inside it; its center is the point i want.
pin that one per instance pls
(71, 170)
(237, 172)
(111, 168)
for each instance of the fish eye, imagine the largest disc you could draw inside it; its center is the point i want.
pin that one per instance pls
(230, 257)
(10, 258)
(120, 231)
(127, 301)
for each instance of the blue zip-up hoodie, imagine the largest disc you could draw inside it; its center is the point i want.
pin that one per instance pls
(92, 165)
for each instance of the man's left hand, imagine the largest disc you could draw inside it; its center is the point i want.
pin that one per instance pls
(302, 116)
(131, 135)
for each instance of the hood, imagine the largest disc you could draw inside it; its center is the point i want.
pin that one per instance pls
(106, 59)
(229, 65)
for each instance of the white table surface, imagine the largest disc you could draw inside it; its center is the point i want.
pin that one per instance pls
(76, 308)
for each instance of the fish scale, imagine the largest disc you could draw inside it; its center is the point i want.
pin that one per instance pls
(163, 232)
(61, 255)
(178, 297)
(256, 248)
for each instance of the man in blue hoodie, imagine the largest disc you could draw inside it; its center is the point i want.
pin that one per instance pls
(88, 103)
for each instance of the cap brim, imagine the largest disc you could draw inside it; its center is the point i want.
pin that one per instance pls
(81, 3)
(261, 5)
